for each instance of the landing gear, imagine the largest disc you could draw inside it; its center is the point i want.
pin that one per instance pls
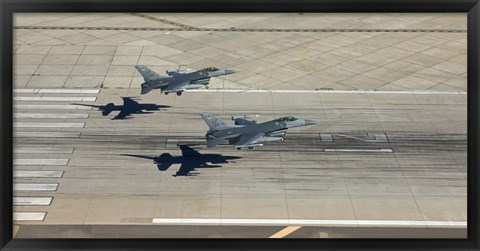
(179, 93)
(206, 87)
(239, 148)
(282, 139)
(250, 147)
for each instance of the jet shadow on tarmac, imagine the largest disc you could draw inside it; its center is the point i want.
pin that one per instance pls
(189, 161)
(129, 107)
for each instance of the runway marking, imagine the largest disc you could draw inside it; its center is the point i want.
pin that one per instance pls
(50, 115)
(379, 137)
(27, 216)
(35, 187)
(47, 125)
(32, 201)
(323, 234)
(72, 91)
(326, 137)
(46, 134)
(283, 222)
(360, 150)
(37, 174)
(42, 162)
(284, 232)
(331, 91)
(43, 150)
(83, 99)
(374, 137)
(52, 107)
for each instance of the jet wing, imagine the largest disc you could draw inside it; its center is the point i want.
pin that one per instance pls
(176, 86)
(248, 139)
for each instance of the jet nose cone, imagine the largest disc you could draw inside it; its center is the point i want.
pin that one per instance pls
(310, 122)
(229, 72)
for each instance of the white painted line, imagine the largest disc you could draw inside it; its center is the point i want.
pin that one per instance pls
(442, 223)
(43, 150)
(35, 187)
(37, 174)
(50, 115)
(48, 125)
(78, 91)
(32, 201)
(19, 216)
(42, 162)
(83, 99)
(242, 222)
(52, 107)
(331, 91)
(283, 222)
(360, 150)
(46, 134)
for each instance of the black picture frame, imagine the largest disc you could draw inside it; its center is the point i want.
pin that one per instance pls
(9, 7)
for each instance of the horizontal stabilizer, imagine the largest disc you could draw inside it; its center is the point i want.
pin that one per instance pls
(213, 142)
(146, 88)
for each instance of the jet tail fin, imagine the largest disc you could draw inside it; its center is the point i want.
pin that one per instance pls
(146, 73)
(212, 121)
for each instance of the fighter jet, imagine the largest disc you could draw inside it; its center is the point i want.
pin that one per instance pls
(248, 133)
(177, 81)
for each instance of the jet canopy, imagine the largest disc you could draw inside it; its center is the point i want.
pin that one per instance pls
(287, 118)
(210, 69)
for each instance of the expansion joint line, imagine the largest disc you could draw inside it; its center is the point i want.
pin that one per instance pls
(165, 21)
(182, 27)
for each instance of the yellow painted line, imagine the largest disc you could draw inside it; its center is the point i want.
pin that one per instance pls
(286, 231)
(323, 234)
(305, 50)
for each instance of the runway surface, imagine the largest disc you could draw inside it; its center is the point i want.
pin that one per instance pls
(396, 160)
(387, 158)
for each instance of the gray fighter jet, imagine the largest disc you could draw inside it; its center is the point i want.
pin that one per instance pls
(177, 81)
(247, 133)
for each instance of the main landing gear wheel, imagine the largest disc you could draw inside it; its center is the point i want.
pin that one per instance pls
(250, 147)
(206, 87)
(179, 93)
(239, 148)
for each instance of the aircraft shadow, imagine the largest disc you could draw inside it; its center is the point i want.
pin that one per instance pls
(189, 161)
(129, 107)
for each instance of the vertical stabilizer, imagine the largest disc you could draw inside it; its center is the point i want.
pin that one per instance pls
(212, 121)
(146, 73)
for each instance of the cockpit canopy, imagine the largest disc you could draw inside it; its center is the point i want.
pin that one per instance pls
(287, 118)
(210, 69)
